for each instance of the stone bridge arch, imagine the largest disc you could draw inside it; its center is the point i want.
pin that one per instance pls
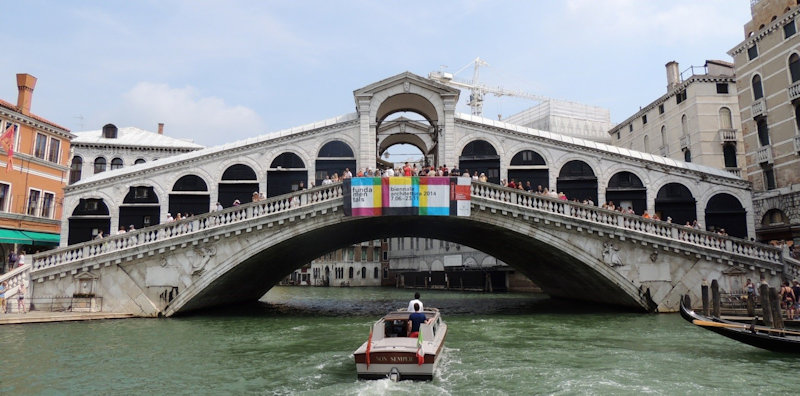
(559, 264)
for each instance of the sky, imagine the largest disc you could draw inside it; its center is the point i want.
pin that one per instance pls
(223, 71)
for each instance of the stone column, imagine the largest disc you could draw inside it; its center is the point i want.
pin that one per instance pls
(365, 151)
(447, 136)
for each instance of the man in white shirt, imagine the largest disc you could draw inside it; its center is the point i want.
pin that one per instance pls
(415, 301)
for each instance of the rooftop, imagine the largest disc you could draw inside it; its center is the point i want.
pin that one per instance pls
(14, 108)
(131, 136)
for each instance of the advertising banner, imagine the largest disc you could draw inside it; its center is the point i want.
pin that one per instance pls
(407, 196)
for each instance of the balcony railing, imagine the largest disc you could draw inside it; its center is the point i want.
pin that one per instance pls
(664, 150)
(727, 135)
(794, 91)
(758, 108)
(685, 142)
(735, 171)
(797, 143)
(764, 154)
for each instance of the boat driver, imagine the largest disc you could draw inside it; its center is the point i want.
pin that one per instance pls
(415, 320)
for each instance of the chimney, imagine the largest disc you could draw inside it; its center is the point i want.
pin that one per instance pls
(160, 128)
(25, 83)
(673, 75)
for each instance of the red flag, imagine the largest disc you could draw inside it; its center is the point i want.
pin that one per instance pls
(7, 140)
(369, 346)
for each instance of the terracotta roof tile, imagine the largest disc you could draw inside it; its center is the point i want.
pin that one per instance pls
(13, 107)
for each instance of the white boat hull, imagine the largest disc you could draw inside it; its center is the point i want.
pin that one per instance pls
(394, 355)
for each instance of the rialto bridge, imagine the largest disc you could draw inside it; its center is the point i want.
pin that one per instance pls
(239, 253)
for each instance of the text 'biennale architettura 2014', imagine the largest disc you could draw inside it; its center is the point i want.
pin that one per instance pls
(407, 196)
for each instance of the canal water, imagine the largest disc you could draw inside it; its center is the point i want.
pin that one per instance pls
(300, 340)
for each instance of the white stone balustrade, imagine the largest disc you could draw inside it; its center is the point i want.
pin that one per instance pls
(194, 224)
(764, 154)
(758, 108)
(705, 239)
(685, 142)
(735, 171)
(13, 279)
(727, 135)
(794, 91)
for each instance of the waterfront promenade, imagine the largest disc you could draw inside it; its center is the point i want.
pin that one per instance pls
(46, 317)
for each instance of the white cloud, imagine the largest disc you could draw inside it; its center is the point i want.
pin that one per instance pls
(205, 120)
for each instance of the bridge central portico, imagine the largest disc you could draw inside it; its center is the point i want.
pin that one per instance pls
(169, 267)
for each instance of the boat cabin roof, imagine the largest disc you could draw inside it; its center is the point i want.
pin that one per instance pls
(403, 315)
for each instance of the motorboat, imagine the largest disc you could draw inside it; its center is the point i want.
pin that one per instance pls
(778, 340)
(390, 353)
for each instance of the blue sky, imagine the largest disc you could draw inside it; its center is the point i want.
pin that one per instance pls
(216, 72)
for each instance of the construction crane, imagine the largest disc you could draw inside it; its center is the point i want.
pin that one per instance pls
(477, 89)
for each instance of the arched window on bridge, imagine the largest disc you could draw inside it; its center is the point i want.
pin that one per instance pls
(140, 208)
(189, 195)
(239, 181)
(676, 201)
(285, 174)
(334, 157)
(626, 190)
(529, 166)
(480, 156)
(75, 169)
(725, 211)
(139, 161)
(116, 163)
(577, 181)
(88, 219)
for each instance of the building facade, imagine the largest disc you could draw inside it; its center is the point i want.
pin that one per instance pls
(113, 148)
(697, 120)
(768, 80)
(363, 264)
(438, 264)
(34, 171)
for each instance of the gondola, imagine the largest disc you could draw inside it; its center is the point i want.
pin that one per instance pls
(758, 336)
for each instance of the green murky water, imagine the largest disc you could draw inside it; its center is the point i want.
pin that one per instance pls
(301, 343)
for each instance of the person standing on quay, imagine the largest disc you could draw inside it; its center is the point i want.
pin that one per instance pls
(21, 298)
(3, 297)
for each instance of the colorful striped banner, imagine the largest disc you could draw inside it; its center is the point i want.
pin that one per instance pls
(407, 196)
